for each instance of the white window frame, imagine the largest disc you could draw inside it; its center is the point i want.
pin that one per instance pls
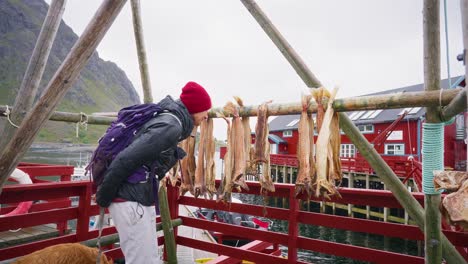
(364, 129)
(347, 151)
(395, 153)
(287, 133)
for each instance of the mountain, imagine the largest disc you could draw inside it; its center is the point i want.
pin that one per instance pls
(101, 87)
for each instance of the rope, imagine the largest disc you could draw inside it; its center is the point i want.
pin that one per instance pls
(83, 121)
(410, 138)
(7, 114)
(433, 154)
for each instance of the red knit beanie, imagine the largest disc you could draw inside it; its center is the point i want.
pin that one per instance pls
(195, 98)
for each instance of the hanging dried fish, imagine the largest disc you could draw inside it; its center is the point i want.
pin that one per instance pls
(454, 206)
(324, 153)
(173, 175)
(224, 190)
(313, 170)
(200, 188)
(209, 159)
(237, 136)
(335, 175)
(250, 166)
(262, 149)
(188, 166)
(318, 96)
(303, 181)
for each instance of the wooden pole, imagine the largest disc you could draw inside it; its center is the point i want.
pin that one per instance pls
(389, 101)
(111, 239)
(346, 104)
(464, 17)
(169, 238)
(140, 44)
(456, 106)
(35, 69)
(73, 117)
(431, 35)
(367, 150)
(58, 86)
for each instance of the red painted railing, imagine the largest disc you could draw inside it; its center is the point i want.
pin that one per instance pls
(293, 241)
(43, 214)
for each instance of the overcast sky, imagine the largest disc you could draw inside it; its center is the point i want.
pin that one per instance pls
(363, 46)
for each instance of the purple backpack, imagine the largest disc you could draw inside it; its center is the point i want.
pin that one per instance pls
(118, 136)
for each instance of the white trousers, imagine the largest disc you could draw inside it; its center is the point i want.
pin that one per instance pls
(136, 225)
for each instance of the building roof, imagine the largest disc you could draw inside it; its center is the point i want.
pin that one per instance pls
(276, 139)
(288, 122)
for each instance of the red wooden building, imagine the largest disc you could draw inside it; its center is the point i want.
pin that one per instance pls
(404, 131)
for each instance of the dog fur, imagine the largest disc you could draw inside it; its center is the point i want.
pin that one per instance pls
(70, 253)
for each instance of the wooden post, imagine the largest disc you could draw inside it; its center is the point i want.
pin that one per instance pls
(464, 18)
(385, 209)
(169, 239)
(367, 187)
(58, 86)
(365, 148)
(35, 69)
(431, 35)
(140, 44)
(456, 106)
(350, 185)
(293, 227)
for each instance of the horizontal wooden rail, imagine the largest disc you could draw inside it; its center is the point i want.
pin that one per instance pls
(41, 191)
(37, 218)
(355, 252)
(230, 251)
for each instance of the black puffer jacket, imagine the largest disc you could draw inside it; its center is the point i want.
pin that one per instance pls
(156, 143)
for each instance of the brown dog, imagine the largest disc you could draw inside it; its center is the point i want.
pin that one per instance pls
(71, 253)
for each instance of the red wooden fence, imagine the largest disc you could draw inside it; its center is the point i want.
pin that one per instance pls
(42, 214)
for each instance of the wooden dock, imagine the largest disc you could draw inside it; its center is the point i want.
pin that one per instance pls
(186, 254)
(28, 234)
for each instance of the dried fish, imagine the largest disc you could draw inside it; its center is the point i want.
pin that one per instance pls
(200, 188)
(250, 166)
(209, 159)
(237, 136)
(303, 181)
(318, 95)
(187, 169)
(173, 175)
(449, 180)
(455, 207)
(224, 190)
(262, 149)
(324, 155)
(313, 170)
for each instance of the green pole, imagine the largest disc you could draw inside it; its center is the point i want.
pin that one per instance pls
(168, 228)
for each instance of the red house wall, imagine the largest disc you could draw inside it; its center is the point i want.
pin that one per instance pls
(291, 147)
